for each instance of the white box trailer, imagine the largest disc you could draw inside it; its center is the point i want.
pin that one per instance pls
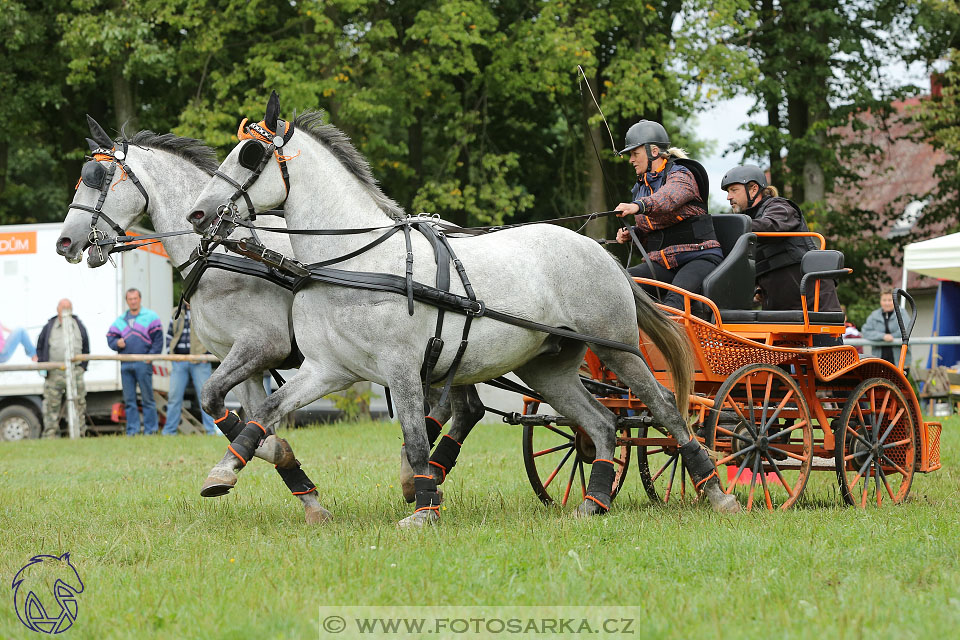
(34, 278)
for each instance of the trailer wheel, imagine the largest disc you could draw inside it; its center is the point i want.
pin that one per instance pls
(18, 422)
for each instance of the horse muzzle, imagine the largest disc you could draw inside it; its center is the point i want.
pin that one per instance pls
(200, 220)
(70, 249)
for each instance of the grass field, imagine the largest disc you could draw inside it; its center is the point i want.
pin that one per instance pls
(158, 561)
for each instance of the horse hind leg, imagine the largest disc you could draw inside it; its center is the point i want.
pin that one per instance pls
(557, 379)
(634, 372)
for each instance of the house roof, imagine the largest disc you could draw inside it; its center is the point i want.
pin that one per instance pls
(901, 171)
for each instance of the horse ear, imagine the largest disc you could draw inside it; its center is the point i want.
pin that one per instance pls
(93, 144)
(98, 134)
(273, 111)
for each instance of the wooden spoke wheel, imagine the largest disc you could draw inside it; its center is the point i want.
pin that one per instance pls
(876, 441)
(558, 462)
(661, 470)
(760, 426)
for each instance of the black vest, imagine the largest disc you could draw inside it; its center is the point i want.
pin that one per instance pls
(692, 230)
(776, 253)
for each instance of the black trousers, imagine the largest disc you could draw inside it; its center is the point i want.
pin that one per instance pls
(690, 277)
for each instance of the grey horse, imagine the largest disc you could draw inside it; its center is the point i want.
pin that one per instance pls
(540, 273)
(243, 320)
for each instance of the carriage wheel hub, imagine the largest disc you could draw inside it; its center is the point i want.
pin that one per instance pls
(586, 450)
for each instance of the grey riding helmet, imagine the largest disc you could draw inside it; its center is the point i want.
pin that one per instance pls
(744, 174)
(645, 132)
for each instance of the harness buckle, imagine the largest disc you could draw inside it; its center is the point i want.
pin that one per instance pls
(476, 308)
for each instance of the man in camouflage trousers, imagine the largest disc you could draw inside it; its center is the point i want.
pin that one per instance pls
(52, 347)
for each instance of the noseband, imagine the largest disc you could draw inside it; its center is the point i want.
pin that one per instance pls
(94, 175)
(254, 156)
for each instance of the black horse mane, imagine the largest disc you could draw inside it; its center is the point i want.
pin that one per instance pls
(190, 149)
(311, 122)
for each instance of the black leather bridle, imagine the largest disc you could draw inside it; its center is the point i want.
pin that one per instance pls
(96, 176)
(255, 156)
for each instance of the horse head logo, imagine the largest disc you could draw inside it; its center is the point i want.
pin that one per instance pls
(43, 577)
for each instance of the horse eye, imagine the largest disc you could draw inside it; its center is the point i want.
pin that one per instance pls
(251, 153)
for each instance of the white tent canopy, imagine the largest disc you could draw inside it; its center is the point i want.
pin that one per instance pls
(936, 258)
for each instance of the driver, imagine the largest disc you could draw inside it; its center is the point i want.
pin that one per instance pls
(670, 213)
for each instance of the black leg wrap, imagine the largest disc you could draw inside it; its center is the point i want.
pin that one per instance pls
(246, 443)
(601, 483)
(445, 455)
(433, 429)
(427, 495)
(697, 461)
(296, 480)
(230, 426)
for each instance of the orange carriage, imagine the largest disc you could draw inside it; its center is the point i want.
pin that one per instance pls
(770, 405)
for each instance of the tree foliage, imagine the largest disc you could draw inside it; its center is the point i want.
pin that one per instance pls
(471, 108)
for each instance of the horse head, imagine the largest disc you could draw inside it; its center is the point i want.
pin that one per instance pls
(247, 182)
(106, 201)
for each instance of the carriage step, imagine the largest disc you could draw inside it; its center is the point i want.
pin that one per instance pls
(545, 419)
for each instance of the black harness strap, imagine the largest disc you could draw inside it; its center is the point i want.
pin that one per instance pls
(409, 273)
(444, 299)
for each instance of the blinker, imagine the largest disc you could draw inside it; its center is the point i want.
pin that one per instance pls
(251, 153)
(92, 174)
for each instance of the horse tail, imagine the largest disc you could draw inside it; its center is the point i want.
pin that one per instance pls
(671, 340)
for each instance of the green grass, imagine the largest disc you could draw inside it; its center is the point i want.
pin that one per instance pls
(158, 561)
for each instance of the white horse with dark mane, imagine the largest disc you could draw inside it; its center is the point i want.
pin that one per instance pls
(243, 320)
(539, 273)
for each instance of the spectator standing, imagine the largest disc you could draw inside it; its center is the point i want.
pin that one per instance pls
(180, 340)
(882, 325)
(138, 331)
(52, 346)
(9, 345)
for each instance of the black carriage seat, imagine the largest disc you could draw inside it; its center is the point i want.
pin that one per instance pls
(815, 265)
(731, 284)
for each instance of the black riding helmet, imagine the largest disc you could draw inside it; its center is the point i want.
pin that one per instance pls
(744, 174)
(645, 132)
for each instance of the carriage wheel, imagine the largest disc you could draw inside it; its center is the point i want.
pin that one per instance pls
(876, 438)
(662, 472)
(556, 459)
(760, 426)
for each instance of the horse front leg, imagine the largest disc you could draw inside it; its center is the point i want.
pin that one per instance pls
(409, 404)
(433, 422)
(252, 395)
(305, 387)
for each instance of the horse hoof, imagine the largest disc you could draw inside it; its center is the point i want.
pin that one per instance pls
(726, 504)
(317, 515)
(406, 477)
(277, 451)
(218, 484)
(588, 508)
(420, 519)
